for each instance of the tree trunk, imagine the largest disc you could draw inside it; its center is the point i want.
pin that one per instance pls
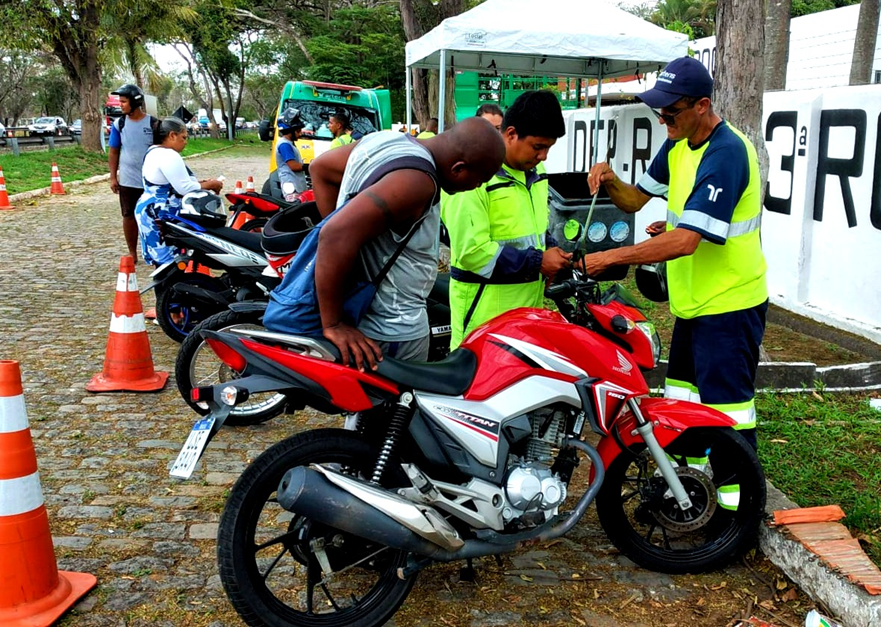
(740, 50)
(419, 78)
(776, 43)
(864, 43)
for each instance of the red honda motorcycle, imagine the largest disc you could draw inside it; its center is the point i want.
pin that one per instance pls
(472, 456)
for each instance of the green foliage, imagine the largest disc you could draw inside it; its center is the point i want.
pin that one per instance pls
(359, 46)
(806, 7)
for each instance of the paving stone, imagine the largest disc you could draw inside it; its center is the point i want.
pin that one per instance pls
(172, 501)
(221, 478)
(122, 601)
(71, 542)
(174, 549)
(203, 531)
(161, 530)
(495, 619)
(141, 565)
(85, 511)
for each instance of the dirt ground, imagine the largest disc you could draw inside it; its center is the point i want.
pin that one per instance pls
(150, 539)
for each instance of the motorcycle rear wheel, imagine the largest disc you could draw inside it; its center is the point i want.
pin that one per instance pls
(643, 521)
(176, 314)
(262, 550)
(198, 366)
(254, 225)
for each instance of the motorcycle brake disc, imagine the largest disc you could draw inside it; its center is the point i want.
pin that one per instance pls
(700, 490)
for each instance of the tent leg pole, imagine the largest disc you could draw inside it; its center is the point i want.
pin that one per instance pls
(408, 88)
(442, 91)
(596, 136)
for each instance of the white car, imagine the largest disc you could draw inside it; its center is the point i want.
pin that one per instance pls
(48, 126)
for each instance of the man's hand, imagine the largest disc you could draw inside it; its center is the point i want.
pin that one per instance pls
(593, 264)
(114, 185)
(600, 173)
(554, 260)
(655, 228)
(213, 185)
(348, 339)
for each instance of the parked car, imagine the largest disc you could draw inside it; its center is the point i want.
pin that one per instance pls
(76, 127)
(48, 126)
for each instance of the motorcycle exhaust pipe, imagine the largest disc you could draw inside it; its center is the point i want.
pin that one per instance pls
(314, 493)
(357, 508)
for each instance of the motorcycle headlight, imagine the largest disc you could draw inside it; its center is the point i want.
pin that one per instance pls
(648, 329)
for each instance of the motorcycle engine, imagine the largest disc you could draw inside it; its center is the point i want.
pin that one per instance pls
(530, 485)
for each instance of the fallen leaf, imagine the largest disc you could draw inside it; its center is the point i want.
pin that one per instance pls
(781, 584)
(720, 586)
(542, 566)
(700, 602)
(575, 575)
(789, 595)
(526, 578)
(768, 605)
(776, 441)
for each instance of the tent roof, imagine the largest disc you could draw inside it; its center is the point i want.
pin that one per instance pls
(548, 38)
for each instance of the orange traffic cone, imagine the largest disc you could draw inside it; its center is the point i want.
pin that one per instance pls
(128, 364)
(238, 189)
(4, 197)
(33, 592)
(56, 187)
(249, 187)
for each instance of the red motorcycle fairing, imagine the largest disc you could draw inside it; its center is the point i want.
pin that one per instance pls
(640, 345)
(670, 416)
(343, 383)
(526, 342)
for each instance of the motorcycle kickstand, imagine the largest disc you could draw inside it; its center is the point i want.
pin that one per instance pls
(467, 572)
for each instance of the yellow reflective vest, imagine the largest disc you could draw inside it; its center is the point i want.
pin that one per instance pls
(497, 236)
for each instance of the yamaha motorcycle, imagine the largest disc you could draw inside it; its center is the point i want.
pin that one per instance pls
(476, 455)
(184, 298)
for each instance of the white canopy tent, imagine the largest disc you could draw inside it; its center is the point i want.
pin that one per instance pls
(568, 38)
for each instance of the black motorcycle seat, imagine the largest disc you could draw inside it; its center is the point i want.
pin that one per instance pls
(450, 377)
(251, 241)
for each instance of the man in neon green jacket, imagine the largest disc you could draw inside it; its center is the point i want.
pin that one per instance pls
(499, 253)
(339, 125)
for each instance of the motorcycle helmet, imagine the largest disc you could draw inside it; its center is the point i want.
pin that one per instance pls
(290, 120)
(134, 94)
(651, 281)
(204, 204)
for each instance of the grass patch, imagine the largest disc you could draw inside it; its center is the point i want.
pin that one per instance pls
(821, 449)
(33, 169)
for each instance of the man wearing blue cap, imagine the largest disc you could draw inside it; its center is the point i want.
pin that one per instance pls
(709, 173)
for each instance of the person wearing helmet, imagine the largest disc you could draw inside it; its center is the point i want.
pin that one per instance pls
(166, 179)
(341, 128)
(709, 173)
(291, 171)
(130, 137)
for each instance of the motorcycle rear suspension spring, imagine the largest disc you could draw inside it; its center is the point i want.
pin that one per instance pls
(399, 422)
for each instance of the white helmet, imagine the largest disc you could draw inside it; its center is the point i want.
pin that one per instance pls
(203, 203)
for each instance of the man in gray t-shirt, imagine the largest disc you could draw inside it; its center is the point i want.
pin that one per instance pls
(130, 137)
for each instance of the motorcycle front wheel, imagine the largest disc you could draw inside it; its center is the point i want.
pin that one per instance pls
(178, 314)
(725, 482)
(198, 366)
(266, 556)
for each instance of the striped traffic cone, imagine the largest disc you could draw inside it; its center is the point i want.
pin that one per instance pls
(56, 187)
(128, 364)
(249, 187)
(33, 592)
(238, 189)
(4, 197)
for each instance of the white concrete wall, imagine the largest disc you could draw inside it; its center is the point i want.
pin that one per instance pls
(821, 229)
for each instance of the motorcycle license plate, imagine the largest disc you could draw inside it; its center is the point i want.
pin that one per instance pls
(192, 449)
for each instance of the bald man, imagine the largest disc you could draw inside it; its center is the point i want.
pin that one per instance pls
(390, 185)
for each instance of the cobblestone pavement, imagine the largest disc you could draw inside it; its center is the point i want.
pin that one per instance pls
(116, 513)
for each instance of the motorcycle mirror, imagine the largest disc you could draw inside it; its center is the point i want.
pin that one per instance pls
(620, 324)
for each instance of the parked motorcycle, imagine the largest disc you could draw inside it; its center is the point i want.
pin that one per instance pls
(198, 366)
(472, 456)
(185, 298)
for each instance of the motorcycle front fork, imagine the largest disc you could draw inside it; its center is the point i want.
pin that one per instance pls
(647, 431)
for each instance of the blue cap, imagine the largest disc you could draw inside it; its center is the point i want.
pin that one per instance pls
(682, 78)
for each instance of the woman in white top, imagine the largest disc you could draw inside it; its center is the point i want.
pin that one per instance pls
(166, 180)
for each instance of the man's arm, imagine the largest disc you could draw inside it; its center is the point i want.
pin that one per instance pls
(327, 173)
(294, 165)
(679, 242)
(628, 198)
(113, 164)
(395, 202)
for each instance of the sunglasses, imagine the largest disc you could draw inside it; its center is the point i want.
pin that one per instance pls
(670, 118)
